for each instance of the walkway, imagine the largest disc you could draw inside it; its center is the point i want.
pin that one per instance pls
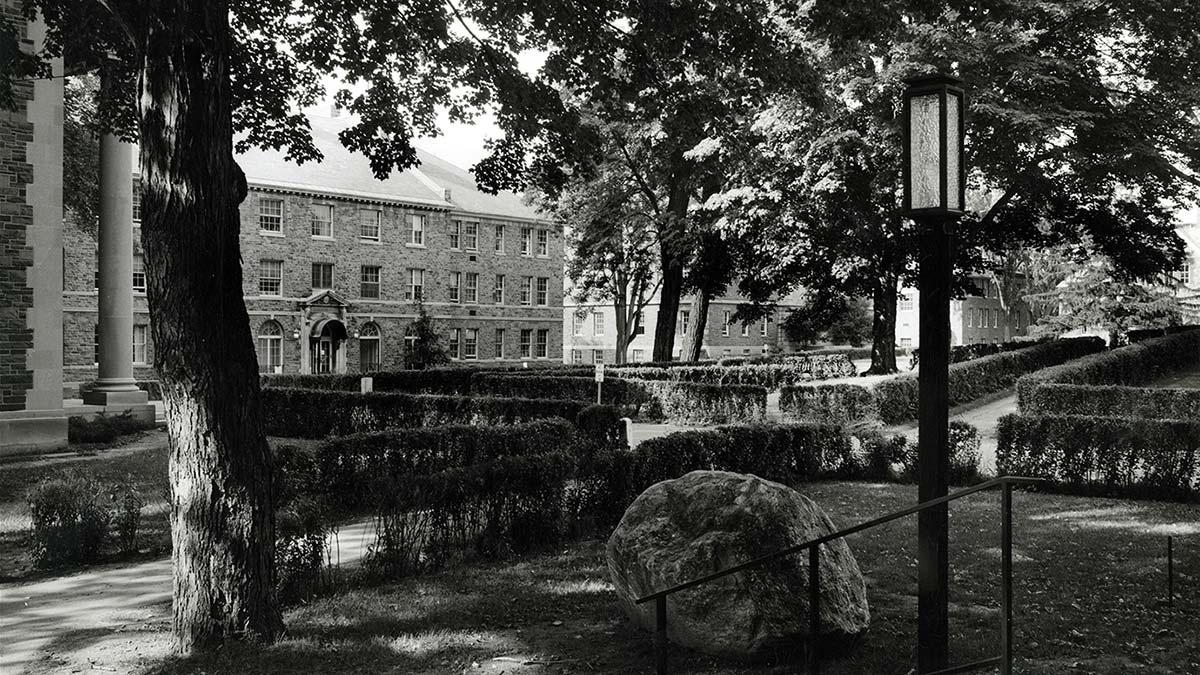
(41, 618)
(984, 416)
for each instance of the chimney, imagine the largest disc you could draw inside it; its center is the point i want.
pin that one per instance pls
(446, 194)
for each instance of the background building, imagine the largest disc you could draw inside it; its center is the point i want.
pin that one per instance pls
(1188, 289)
(334, 260)
(590, 331)
(981, 317)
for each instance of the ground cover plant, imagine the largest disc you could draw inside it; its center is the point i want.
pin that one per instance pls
(1088, 579)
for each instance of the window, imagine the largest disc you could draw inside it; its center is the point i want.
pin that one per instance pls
(370, 281)
(368, 347)
(455, 234)
(1017, 319)
(471, 344)
(725, 324)
(577, 356)
(684, 318)
(577, 324)
(543, 248)
(639, 355)
(454, 286)
(499, 238)
(416, 284)
(970, 318)
(905, 304)
(1185, 273)
(905, 342)
(416, 229)
(137, 203)
(543, 341)
(270, 347)
(139, 273)
(543, 286)
(995, 318)
(96, 345)
(762, 329)
(598, 323)
(527, 291)
(139, 343)
(455, 342)
(526, 240)
(498, 290)
(471, 236)
(270, 215)
(322, 220)
(526, 345)
(745, 330)
(270, 277)
(472, 290)
(368, 224)
(322, 275)
(499, 343)
(597, 356)
(640, 321)
(410, 339)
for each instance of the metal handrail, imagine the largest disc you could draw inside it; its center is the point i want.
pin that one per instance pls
(1004, 660)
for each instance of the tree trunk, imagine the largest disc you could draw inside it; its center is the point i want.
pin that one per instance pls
(222, 523)
(883, 328)
(671, 258)
(694, 340)
(623, 329)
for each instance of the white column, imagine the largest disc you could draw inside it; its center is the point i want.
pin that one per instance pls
(116, 384)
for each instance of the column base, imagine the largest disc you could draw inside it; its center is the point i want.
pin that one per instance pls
(110, 397)
(25, 432)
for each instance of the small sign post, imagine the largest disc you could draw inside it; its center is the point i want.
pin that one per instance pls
(599, 380)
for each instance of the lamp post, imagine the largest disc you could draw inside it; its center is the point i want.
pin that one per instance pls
(934, 194)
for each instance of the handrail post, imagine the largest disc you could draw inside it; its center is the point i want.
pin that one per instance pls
(1006, 599)
(1170, 571)
(660, 634)
(812, 658)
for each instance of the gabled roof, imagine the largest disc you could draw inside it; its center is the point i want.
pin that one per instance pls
(342, 172)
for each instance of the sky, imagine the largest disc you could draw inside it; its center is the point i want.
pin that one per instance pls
(461, 144)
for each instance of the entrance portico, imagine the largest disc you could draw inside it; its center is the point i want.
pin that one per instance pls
(323, 350)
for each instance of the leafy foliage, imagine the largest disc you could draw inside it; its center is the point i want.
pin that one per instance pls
(425, 348)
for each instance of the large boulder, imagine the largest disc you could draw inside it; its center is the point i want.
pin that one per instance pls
(707, 521)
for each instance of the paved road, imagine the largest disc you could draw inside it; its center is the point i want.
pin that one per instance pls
(984, 417)
(41, 618)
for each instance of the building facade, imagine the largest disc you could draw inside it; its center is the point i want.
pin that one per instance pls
(31, 237)
(334, 262)
(979, 318)
(590, 331)
(1187, 288)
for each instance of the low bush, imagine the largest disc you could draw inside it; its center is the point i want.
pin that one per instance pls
(896, 399)
(694, 403)
(964, 353)
(603, 488)
(614, 391)
(770, 375)
(602, 427)
(1149, 333)
(103, 428)
(70, 520)
(302, 530)
(1131, 365)
(1117, 456)
(308, 413)
(1112, 401)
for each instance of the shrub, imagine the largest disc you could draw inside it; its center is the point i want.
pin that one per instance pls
(301, 548)
(614, 391)
(785, 453)
(102, 428)
(307, 413)
(1157, 459)
(70, 520)
(127, 501)
(602, 426)
(1131, 365)
(1112, 401)
(829, 403)
(603, 488)
(773, 375)
(693, 403)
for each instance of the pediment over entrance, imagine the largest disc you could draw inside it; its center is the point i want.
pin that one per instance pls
(325, 298)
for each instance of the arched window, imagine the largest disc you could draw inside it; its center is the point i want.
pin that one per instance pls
(270, 347)
(369, 352)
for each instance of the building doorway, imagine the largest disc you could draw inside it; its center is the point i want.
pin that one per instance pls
(325, 347)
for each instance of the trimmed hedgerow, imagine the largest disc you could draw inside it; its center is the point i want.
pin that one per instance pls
(785, 453)
(769, 375)
(1120, 456)
(897, 399)
(328, 382)
(1113, 401)
(1131, 365)
(829, 403)
(695, 403)
(614, 391)
(602, 427)
(308, 413)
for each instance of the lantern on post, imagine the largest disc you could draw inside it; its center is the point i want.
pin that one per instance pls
(934, 171)
(934, 196)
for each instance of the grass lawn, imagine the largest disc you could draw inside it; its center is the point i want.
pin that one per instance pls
(141, 456)
(1089, 573)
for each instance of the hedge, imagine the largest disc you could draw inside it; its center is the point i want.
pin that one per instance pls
(695, 403)
(1118, 456)
(615, 391)
(1131, 365)
(896, 400)
(769, 375)
(310, 413)
(1113, 401)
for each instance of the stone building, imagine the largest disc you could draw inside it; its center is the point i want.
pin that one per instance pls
(31, 404)
(334, 260)
(980, 317)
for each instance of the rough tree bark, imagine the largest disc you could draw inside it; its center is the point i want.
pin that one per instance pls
(883, 327)
(222, 524)
(671, 261)
(693, 341)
